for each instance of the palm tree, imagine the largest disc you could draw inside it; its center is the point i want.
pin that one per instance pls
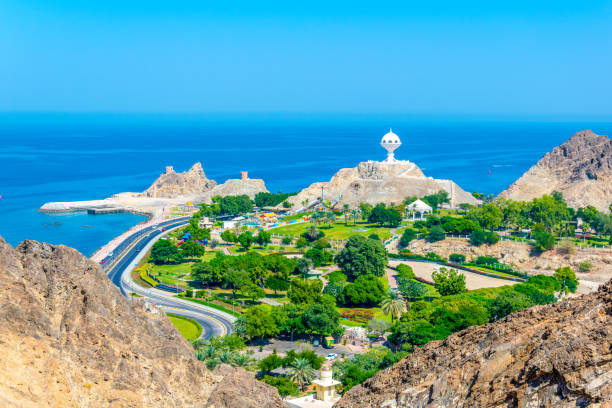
(354, 215)
(393, 304)
(345, 207)
(242, 360)
(301, 372)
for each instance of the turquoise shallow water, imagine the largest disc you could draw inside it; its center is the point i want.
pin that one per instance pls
(81, 157)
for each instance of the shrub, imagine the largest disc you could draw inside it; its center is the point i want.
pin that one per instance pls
(287, 240)
(405, 271)
(374, 236)
(336, 276)
(284, 385)
(544, 240)
(477, 238)
(584, 266)
(456, 258)
(567, 247)
(143, 275)
(200, 293)
(567, 277)
(436, 233)
(301, 242)
(485, 260)
(189, 293)
(449, 281)
(408, 235)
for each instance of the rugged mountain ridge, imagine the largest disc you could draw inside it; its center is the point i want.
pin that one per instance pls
(69, 338)
(558, 355)
(193, 184)
(171, 184)
(375, 182)
(580, 168)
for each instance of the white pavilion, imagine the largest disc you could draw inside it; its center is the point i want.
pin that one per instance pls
(418, 208)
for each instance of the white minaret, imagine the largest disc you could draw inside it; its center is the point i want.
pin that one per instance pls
(390, 142)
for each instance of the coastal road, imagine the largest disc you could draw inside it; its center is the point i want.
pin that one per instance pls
(214, 322)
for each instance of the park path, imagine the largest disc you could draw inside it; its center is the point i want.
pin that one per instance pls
(424, 270)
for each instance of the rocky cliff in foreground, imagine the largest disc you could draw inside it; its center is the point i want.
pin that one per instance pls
(557, 355)
(580, 168)
(69, 339)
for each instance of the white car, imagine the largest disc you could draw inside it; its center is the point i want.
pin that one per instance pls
(331, 356)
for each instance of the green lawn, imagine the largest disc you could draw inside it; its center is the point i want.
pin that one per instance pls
(189, 328)
(335, 231)
(171, 274)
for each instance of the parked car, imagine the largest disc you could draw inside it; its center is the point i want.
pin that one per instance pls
(331, 356)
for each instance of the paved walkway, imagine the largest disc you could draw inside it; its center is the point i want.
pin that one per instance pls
(424, 270)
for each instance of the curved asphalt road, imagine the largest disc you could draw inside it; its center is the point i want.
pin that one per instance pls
(214, 322)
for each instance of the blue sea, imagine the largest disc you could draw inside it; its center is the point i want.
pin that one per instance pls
(65, 157)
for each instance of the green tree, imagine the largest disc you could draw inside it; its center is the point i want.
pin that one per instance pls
(449, 281)
(408, 235)
(246, 240)
(436, 233)
(252, 291)
(164, 251)
(509, 302)
(393, 304)
(305, 291)
(362, 256)
(544, 240)
(264, 238)
(275, 283)
(489, 216)
(301, 372)
(301, 242)
(260, 323)
(192, 249)
(321, 319)
(366, 209)
(567, 278)
(434, 200)
(235, 279)
(269, 363)
(367, 290)
(205, 273)
(229, 236)
(303, 266)
(378, 327)
(411, 289)
(318, 256)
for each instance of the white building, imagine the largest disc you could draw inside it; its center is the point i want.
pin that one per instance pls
(418, 208)
(325, 392)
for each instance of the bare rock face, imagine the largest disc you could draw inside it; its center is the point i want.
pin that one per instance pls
(580, 168)
(172, 184)
(68, 338)
(375, 182)
(557, 355)
(241, 186)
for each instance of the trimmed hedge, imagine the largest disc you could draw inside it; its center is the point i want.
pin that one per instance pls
(143, 275)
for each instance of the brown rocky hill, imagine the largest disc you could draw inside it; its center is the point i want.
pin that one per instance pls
(375, 182)
(68, 338)
(558, 355)
(580, 168)
(172, 184)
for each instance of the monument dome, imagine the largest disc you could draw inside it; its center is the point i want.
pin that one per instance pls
(390, 142)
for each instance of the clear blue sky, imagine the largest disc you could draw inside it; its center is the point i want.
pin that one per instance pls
(538, 58)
